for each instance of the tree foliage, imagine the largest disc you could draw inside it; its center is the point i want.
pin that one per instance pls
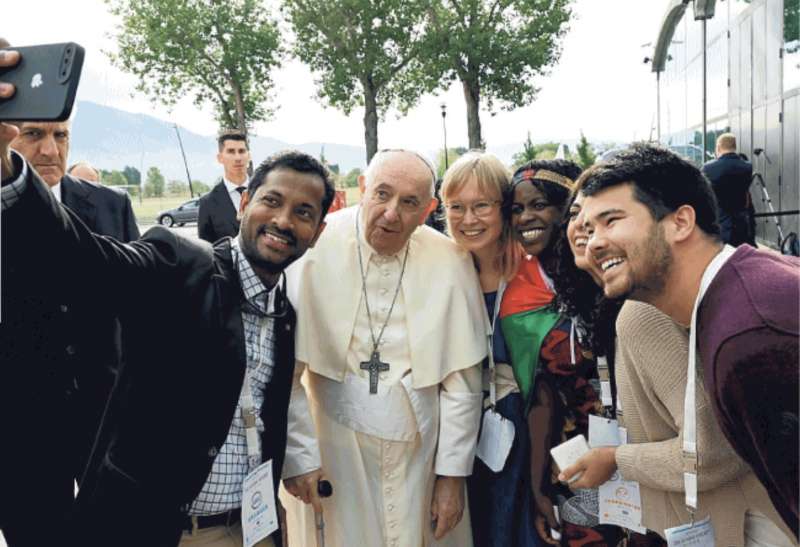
(364, 53)
(154, 184)
(115, 178)
(497, 49)
(350, 180)
(221, 53)
(452, 155)
(586, 156)
(530, 152)
(133, 175)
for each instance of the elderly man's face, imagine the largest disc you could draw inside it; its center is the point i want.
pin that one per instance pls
(397, 199)
(45, 145)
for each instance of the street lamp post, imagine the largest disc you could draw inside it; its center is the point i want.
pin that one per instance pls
(186, 165)
(444, 132)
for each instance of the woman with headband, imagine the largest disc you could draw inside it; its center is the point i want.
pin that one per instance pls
(552, 370)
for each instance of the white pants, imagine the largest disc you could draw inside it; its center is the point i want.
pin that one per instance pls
(759, 531)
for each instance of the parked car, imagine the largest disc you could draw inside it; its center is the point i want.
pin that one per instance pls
(186, 212)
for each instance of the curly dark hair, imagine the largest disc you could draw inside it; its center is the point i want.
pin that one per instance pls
(297, 161)
(577, 295)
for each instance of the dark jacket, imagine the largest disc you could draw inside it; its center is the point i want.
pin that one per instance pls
(104, 210)
(748, 335)
(217, 215)
(730, 178)
(184, 361)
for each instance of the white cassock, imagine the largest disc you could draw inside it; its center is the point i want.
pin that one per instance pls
(382, 451)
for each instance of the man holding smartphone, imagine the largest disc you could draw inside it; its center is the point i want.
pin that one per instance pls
(199, 411)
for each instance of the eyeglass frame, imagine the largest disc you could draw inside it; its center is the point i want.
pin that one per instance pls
(471, 207)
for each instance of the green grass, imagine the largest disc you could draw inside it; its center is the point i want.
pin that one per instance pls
(147, 210)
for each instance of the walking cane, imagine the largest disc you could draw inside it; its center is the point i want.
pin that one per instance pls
(324, 489)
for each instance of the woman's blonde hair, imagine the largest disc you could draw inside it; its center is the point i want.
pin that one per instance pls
(493, 180)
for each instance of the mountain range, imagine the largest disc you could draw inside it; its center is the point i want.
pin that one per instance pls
(110, 138)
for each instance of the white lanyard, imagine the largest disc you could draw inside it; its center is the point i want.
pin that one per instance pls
(690, 403)
(492, 371)
(249, 405)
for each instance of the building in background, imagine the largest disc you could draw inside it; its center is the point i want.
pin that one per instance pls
(734, 65)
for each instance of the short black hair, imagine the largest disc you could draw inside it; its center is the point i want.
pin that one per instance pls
(662, 181)
(554, 194)
(231, 135)
(297, 161)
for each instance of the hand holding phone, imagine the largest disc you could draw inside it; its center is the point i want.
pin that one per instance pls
(7, 132)
(46, 79)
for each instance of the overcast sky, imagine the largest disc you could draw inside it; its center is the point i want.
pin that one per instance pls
(600, 84)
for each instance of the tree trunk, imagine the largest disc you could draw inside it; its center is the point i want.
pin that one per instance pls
(370, 121)
(472, 96)
(241, 121)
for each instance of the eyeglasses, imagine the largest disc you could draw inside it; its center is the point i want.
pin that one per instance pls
(480, 209)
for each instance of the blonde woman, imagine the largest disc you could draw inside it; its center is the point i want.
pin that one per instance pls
(473, 193)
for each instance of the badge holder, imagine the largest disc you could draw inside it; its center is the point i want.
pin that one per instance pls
(497, 432)
(696, 533)
(259, 513)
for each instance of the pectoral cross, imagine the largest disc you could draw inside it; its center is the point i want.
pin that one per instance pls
(374, 366)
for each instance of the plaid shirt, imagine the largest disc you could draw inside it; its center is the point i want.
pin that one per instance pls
(223, 488)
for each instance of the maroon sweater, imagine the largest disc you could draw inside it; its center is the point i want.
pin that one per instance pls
(747, 332)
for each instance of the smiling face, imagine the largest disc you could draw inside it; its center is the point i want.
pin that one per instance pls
(46, 146)
(533, 218)
(626, 244)
(397, 199)
(281, 220)
(576, 234)
(474, 218)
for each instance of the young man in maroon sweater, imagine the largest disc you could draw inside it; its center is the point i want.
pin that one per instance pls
(654, 232)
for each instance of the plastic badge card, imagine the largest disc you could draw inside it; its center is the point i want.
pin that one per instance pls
(603, 432)
(497, 436)
(701, 534)
(620, 503)
(259, 517)
(568, 453)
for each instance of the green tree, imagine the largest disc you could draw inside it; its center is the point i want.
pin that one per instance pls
(133, 175)
(452, 155)
(177, 188)
(586, 156)
(350, 180)
(365, 53)
(496, 49)
(221, 53)
(528, 153)
(200, 187)
(116, 178)
(154, 184)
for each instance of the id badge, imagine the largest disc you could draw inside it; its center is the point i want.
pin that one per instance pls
(603, 432)
(259, 515)
(620, 503)
(701, 534)
(497, 436)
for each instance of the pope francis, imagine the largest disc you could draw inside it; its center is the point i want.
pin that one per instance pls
(391, 333)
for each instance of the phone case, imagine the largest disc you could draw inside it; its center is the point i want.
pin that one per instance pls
(46, 80)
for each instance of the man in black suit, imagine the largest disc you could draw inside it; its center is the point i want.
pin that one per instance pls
(730, 178)
(60, 353)
(104, 210)
(217, 215)
(198, 322)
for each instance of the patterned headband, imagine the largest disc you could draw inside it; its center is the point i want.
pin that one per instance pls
(543, 174)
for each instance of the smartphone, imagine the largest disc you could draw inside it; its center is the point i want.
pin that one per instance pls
(46, 80)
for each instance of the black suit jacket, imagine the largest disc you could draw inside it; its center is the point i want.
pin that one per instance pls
(104, 210)
(730, 178)
(217, 215)
(184, 361)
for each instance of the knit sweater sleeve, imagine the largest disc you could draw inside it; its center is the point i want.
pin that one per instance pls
(651, 368)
